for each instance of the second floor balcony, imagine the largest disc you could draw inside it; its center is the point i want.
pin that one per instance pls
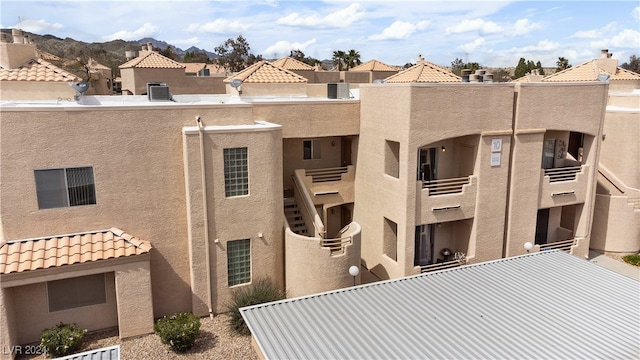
(447, 199)
(563, 185)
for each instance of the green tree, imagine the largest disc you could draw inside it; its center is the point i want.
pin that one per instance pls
(300, 56)
(562, 64)
(195, 57)
(521, 69)
(539, 67)
(632, 65)
(458, 65)
(169, 52)
(234, 54)
(352, 59)
(338, 59)
(501, 75)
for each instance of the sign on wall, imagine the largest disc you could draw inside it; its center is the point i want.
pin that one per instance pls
(496, 151)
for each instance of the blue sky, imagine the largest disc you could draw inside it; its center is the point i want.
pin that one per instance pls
(495, 34)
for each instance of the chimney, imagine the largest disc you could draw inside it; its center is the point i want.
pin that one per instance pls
(17, 36)
(4, 38)
(465, 75)
(17, 53)
(149, 46)
(420, 59)
(605, 54)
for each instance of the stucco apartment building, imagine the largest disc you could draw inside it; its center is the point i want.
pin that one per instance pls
(166, 204)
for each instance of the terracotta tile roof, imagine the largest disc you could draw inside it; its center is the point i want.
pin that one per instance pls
(93, 64)
(265, 72)
(46, 56)
(374, 65)
(152, 60)
(423, 71)
(193, 67)
(47, 252)
(589, 71)
(290, 63)
(37, 70)
(215, 69)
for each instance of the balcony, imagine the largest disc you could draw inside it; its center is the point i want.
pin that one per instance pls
(447, 199)
(563, 186)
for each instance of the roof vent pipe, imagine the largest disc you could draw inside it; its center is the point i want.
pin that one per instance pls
(474, 78)
(488, 78)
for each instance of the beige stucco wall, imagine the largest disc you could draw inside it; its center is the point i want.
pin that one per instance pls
(136, 154)
(58, 92)
(233, 218)
(616, 226)
(268, 89)
(13, 55)
(292, 156)
(133, 294)
(620, 147)
(311, 268)
(417, 116)
(32, 312)
(540, 108)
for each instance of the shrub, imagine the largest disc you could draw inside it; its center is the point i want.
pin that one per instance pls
(63, 339)
(261, 291)
(179, 331)
(633, 259)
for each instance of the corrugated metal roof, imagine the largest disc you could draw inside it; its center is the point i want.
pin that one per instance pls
(46, 252)
(542, 305)
(106, 353)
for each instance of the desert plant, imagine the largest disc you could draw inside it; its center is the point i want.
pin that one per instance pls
(633, 259)
(260, 291)
(62, 339)
(179, 330)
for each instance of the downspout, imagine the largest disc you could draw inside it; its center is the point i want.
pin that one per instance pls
(511, 161)
(205, 213)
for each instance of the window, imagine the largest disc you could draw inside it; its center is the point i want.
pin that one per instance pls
(236, 176)
(239, 261)
(390, 239)
(76, 292)
(65, 187)
(311, 149)
(392, 158)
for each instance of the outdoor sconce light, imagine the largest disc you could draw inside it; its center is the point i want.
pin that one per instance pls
(354, 271)
(528, 246)
(444, 149)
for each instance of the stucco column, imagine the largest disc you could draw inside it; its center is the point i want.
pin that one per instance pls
(7, 333)
(134, 299)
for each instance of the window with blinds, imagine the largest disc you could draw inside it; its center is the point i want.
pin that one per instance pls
(76, 292)
(65, 187)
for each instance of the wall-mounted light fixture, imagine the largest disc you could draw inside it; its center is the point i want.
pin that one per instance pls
(354, 271)
(528, 246)
(444, 149)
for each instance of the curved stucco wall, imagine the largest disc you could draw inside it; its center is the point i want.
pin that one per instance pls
(310, 268)
(616, 228)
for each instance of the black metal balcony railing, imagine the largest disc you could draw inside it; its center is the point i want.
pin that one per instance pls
(445, 186)
(562, 174)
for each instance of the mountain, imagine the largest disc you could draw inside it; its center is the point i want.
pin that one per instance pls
(74, 54)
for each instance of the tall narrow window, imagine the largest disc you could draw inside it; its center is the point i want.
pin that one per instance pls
(65, 187)
(311, 149)
(392, 158)
(390, 239)
(239, 261)
(236, 175)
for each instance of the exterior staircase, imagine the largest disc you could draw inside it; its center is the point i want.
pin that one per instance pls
(294, 217)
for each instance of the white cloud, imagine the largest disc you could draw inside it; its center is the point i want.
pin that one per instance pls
(185, 42)
(219, 26)
(399, 30)
(146, 30)
(472, 46)
(636, 13)
(485, 27)
(38, 26)
(524, 27)
(541, 46)
(339, 19)
(626, 39)
(283, 48)
(596, 33)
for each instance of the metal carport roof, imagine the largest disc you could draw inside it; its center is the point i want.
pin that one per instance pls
(550, 305)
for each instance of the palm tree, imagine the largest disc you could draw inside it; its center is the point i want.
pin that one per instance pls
(339, 59)
(352, 59)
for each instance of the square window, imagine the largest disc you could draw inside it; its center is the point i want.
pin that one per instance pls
(239, 261)
(236, 174)
(65, 187)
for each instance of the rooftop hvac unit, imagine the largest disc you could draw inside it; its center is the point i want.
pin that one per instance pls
(158, 92)
(338, 91)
